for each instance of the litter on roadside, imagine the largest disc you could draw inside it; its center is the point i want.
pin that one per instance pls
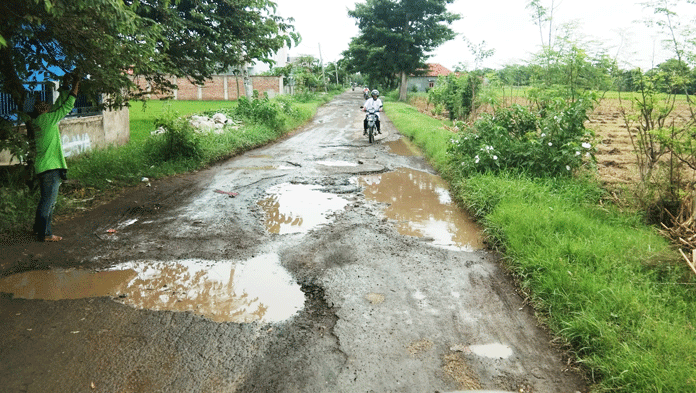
(228, 193)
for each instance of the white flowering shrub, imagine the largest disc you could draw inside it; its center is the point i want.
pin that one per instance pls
(549, 142)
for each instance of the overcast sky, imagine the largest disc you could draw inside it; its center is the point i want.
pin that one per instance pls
(505, 25)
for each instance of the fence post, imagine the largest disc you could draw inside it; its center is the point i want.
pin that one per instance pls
(224, 84)
(54, 91)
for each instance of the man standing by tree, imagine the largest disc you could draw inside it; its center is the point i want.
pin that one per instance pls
(50, 163)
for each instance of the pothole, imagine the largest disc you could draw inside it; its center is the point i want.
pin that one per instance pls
(298, 208)
(421, 206)
(403, 147)
(258, 289)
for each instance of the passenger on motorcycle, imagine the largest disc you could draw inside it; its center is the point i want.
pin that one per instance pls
(373, 104)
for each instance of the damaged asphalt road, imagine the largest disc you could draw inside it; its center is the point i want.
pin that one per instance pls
(340, 266)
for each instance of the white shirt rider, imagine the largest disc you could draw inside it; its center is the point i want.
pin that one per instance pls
(373, 104)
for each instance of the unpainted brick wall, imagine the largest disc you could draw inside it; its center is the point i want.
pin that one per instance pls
(219, 87)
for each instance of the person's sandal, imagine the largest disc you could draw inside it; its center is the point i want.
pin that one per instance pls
(53, 238)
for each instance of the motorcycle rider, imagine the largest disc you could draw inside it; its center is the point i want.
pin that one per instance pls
(375, 104)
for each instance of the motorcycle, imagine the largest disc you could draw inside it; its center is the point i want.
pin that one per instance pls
(366, 94)
(371, 124)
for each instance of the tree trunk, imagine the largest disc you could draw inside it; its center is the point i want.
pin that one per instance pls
(403, 88)
(248, 88)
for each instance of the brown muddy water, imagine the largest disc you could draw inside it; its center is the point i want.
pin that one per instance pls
(403, 147)
(298, 208)
(258, 289)
(420, 205)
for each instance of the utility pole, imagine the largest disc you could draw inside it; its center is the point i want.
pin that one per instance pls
(323, 75)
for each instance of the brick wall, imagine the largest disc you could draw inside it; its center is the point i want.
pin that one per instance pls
(220, 87)
(267, 84)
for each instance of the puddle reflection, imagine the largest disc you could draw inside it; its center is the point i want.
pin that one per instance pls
(403, 147)
(298, 208)
(421, 205)
(259, 289)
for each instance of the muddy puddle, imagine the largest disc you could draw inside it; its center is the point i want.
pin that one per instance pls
(298, 208)
(403, 147)
(258, 289)
(421, 206)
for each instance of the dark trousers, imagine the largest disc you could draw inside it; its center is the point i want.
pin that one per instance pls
(49, 181)
(376, 123)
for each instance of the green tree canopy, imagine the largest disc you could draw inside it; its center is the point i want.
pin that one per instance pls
(396, 37)
(110, 39)
(114, 40)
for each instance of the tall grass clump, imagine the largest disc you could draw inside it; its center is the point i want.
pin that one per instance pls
(609, 285)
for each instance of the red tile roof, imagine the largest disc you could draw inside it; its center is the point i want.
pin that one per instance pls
(435, 69)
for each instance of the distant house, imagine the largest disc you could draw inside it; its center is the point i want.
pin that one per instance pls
(427, 80)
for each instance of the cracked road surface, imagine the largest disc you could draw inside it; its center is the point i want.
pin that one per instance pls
(340, 266)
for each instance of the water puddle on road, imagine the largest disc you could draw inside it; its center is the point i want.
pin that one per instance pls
(420, 203)
(258, 289)
(298, 208)
(403, 147)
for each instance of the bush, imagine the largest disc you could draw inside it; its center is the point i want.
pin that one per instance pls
(262, 111)
(305, 96)
(550, 142)
(179, 140)
(456, 94)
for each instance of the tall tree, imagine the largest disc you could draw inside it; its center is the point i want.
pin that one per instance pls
(113, 40)
(202, 37)
(396, 37)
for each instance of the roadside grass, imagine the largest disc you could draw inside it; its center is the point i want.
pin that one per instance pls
(100, 174)
(607, 285)
(142, 114)
(411, 123)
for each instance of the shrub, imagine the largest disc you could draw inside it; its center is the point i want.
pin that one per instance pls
(549, 142)
(178, 141)
(262, 111)
(456, 94)
(304, 96)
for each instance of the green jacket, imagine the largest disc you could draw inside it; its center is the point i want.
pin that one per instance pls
(49, 150)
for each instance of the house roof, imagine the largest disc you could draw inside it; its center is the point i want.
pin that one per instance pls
(435, 69)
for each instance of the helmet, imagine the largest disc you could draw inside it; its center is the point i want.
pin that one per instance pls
(375, 92)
